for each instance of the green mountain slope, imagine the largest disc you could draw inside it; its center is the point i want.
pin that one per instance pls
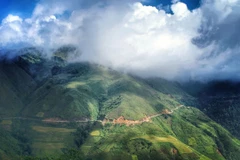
(103, 114)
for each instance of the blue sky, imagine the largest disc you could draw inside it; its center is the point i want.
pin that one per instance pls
(192, 4)
(24, 8)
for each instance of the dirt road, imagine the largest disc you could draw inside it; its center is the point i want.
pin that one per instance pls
(120, 120)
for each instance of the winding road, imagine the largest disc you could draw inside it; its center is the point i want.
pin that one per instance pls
(55, 120)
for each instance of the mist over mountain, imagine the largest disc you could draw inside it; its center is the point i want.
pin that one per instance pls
(199, 44)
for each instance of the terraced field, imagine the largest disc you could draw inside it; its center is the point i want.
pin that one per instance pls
(50, 140)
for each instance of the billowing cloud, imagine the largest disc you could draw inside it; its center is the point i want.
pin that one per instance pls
(201, 44)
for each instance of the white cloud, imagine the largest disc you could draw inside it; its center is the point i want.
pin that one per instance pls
(180, 9)
(135, 38)
(11, 18)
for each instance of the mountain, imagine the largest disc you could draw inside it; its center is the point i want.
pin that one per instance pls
(52, 109)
